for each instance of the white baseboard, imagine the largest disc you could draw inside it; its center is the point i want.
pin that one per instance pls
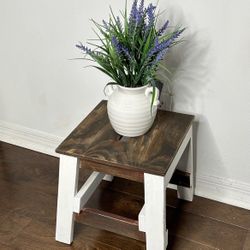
(216, 188)
(29, 138)
(224, 190)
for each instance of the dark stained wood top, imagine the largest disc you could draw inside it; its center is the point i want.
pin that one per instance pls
(95, 141)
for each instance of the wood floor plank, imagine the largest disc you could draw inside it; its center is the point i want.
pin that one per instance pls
(218, 211)
(178, 243)
(108, 238)
(11, 226)
(19, 166)
(4, 247)
(40, 235)
(205, 230)
(26, 201)
(247, 242)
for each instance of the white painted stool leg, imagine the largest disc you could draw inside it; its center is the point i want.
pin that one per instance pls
(67, 188)
(155, 212)
(108, 177)
(186, 193)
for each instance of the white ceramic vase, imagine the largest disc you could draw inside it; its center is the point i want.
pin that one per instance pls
(129, 109)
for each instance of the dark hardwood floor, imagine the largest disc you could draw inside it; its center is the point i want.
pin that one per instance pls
(28, 191)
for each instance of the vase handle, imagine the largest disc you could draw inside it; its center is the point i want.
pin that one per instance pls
(149, 92)
(109, 89)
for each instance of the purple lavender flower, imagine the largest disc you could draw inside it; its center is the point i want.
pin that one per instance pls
(116, 45)
(155, 48)
(120, 49)
(105, 24)
(158, 46)
(163, 28)
(133, 13)
(141, 10)
(136, 14)
(159, 56)
(175, 35)
(119, 24)
(126, 52)
(150, 13)
(84, 48)
(164, 44)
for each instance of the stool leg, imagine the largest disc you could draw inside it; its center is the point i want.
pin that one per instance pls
(67, 188)
(155, 212)
(186, 193)
(108, 177)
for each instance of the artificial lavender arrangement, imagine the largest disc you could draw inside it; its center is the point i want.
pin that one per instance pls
(131, 47)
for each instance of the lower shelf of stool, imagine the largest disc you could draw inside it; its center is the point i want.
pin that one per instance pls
(115, 206)
(112, 223)
(113, 211)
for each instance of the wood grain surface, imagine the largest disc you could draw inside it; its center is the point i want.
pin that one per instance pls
(98, 145)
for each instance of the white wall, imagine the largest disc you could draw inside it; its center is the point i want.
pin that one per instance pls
(41, 90)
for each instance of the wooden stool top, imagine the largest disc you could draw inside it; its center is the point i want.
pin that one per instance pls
(100, 148)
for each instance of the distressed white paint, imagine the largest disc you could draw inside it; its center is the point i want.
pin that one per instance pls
(155, 212)
(69, 201)
(67, 189)
(87, 190)
(210, 78)
(186, 193)
(142, 220)
(178, 155)
(152, 217)
(108, 177)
